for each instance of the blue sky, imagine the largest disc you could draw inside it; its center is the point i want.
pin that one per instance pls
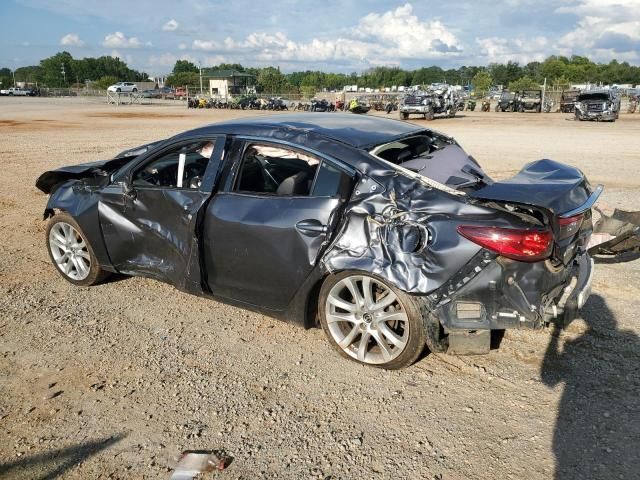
(331, 35)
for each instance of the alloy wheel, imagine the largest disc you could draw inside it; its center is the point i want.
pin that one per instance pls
(366, 319)
(69, 251)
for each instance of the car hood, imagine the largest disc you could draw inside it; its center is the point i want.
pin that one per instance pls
(554, 186)
(49, 179)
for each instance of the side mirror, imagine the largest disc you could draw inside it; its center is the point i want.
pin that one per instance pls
(127, 189)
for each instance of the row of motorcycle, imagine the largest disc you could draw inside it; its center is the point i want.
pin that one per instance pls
(250, 102)
(239, 103)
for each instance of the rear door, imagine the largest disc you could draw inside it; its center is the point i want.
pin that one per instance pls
(264, 232)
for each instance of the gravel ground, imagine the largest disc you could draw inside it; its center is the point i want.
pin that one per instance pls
(115, 381)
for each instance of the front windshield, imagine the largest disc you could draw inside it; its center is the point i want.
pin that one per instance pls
(594, 96)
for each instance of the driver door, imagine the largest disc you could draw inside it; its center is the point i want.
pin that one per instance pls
(149, 217)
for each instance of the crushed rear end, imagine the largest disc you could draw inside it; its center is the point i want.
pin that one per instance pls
(522, 277)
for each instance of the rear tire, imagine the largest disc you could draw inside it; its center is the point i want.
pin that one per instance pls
(71, 252)
(371, 322)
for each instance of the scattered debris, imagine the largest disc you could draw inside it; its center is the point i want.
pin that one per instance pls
(193, 463)
(615, 233)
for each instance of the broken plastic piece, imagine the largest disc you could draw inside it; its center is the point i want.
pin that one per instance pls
(616, 233)
(193, 463)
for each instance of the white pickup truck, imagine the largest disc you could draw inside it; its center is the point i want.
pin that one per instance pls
(17, 91)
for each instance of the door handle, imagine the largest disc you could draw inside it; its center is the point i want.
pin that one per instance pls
(311, 227)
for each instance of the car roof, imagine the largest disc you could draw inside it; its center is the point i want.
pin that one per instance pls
(359, 131)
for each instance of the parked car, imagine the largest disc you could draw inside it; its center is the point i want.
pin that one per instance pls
(180, 93)
(506, 102)
(123, 87)
(151, 93)
(529, 101)
(16, 91)
(387, 235)
(598, 105)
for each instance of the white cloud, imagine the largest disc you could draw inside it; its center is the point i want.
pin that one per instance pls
(522, 50)
(171, 26)
(206, 45)
(120, 40)
(607, 29)
(72, 40)
(380, 39)
(403, 31)
(182, 46)
(600, 21)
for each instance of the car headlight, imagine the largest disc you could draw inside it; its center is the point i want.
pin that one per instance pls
(424, 102)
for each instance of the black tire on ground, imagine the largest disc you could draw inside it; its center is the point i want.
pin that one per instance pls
(413, 307)
(118, 90)
(404, 115)
(135, 90)
(96, 274)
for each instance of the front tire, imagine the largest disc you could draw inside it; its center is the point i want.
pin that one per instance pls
(367, 320)
(71, 252)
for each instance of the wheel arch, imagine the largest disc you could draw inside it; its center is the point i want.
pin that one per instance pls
(82, 206)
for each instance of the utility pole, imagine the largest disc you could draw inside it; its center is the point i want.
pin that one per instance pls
(13, 72)
(64, 74)
(200, 68)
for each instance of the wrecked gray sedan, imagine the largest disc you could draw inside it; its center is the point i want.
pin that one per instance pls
(386, 234)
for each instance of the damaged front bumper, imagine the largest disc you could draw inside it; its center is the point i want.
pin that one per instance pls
(603, 116)
(415, 109)
(497, 293)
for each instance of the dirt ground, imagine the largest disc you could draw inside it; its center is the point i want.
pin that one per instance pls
(115, 381)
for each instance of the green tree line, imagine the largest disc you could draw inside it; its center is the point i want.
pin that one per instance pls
(557, 70)
(49, 72)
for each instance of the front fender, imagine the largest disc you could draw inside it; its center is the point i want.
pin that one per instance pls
(81, 202)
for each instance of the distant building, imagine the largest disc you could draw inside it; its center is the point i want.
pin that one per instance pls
(227, 83)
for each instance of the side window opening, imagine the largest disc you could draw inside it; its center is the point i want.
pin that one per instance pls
(273, 170)
(182, 167)
(276, 171)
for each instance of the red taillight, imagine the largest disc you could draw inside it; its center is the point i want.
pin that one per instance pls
(569, 226)
(523, 245)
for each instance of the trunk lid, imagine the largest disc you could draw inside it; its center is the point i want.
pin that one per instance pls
(562, 192)
(547, 184)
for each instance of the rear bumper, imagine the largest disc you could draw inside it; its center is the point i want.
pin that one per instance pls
(495, 294)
